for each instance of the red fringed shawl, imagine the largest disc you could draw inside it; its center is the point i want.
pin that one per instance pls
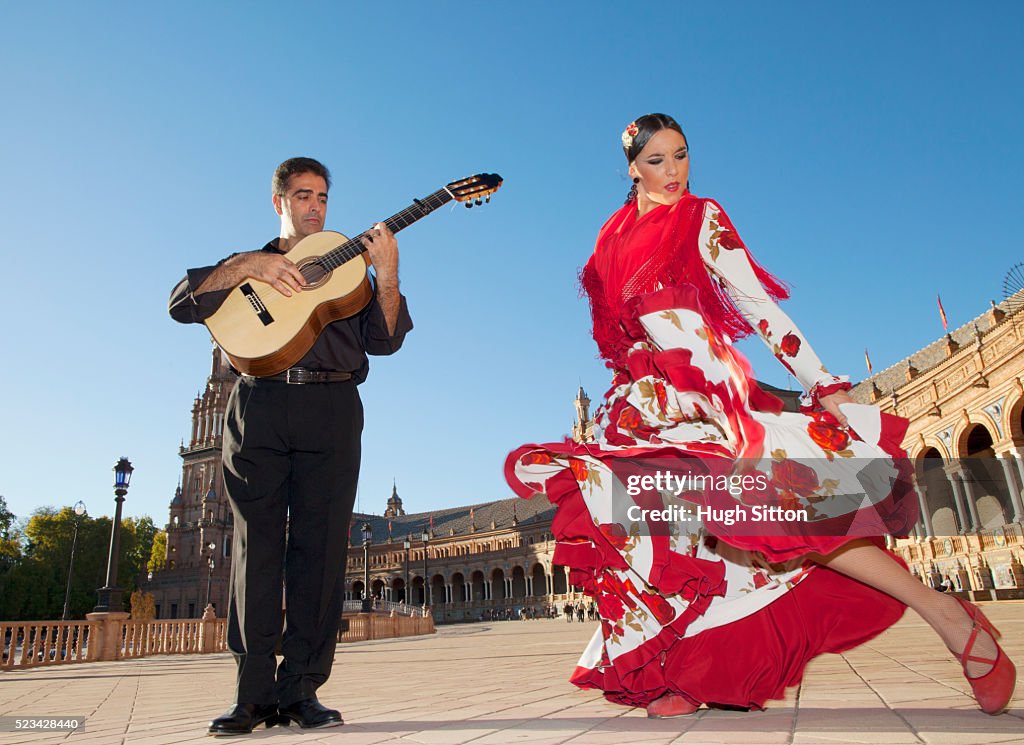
(636, 255)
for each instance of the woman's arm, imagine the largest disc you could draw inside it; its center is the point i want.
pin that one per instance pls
(729, 264)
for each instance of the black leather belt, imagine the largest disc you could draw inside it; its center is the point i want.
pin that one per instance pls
(300, 375)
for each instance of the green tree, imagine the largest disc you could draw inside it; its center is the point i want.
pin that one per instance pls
(33, 587)
(137, 536)
(158, 556)
(10, 539)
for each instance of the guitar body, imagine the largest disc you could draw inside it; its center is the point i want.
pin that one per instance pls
(264, 333)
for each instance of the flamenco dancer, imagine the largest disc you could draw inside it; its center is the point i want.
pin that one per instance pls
(700, 614)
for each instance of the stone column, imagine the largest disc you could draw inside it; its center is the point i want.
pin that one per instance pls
(958, 498)
(1011, 486)
(926, 517)
(965, 476)
(1018, 459)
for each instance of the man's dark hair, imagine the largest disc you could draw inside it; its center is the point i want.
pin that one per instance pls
(294, 166)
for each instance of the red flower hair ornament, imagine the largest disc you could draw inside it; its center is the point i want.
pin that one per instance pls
(628, 134)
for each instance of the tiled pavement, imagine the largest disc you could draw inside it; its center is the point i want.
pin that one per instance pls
(498, 683)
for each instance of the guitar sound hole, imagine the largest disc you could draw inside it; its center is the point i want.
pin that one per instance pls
(314, 273)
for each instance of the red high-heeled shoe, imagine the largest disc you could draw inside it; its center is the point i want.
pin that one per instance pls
(994, 689)
(670, 705)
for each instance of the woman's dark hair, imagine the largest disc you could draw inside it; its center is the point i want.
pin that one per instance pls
(295, 166)
(647, 126)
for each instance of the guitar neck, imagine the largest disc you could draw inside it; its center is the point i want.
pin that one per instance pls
(419, 209)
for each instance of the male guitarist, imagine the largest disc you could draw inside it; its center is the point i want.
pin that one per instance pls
(291, 462)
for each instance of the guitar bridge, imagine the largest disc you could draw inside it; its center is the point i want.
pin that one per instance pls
(257, 305)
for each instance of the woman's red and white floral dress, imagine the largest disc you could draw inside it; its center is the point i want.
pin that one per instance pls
(713, 616)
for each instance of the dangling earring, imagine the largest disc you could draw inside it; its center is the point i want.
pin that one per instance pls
(631, 197)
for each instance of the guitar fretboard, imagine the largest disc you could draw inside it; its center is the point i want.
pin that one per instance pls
(418, 209)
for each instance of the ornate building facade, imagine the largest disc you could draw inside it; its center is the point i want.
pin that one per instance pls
(467, 563)
(964, 397)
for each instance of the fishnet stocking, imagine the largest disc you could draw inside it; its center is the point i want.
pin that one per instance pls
(869, 564)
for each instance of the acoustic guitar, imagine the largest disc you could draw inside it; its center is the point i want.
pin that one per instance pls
(264, 333)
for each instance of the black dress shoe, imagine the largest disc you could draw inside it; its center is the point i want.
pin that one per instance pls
(241, 719)
(310, 713)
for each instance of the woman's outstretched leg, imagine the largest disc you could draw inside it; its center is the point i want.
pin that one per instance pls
(867, 563)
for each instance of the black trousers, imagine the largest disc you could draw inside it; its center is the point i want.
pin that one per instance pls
(291, 465)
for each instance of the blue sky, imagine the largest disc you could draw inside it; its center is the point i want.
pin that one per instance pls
(870, 154)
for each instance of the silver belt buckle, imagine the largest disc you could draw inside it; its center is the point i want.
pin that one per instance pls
(288, 376)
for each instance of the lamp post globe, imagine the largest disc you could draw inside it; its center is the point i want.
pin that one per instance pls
(367, 531)
(110, 593)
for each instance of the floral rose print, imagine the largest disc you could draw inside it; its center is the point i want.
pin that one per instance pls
(790, 344)
(659, 606)
(578, 468)
(615, 533)
(538, 458)
(730, 240)
(793, 477)
(828, 436)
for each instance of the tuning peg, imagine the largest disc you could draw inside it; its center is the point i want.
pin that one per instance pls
(478, 201)
(487, 199)
(469, 204)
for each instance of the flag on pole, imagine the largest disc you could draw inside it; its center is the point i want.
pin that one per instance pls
(471, 518)
(389, 528)
(515, 516)
(942, 313)
(867, 360)
(431, 523)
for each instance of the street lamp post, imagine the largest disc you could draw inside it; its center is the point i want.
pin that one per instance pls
(426, 577)
(209, 576)
(406, 544)
(110, 593)
(367, 540)
(79, 511)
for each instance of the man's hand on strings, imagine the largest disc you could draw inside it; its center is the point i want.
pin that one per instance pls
(380, 243)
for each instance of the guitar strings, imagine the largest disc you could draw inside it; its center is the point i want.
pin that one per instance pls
(419, 209)
(353, 247)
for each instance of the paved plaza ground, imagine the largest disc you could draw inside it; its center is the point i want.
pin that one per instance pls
(506, 682)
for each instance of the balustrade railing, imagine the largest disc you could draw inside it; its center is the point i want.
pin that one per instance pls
(35, 643)
(44, 642)
(385, 606)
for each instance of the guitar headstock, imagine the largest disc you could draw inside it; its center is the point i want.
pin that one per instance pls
(475, 189)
